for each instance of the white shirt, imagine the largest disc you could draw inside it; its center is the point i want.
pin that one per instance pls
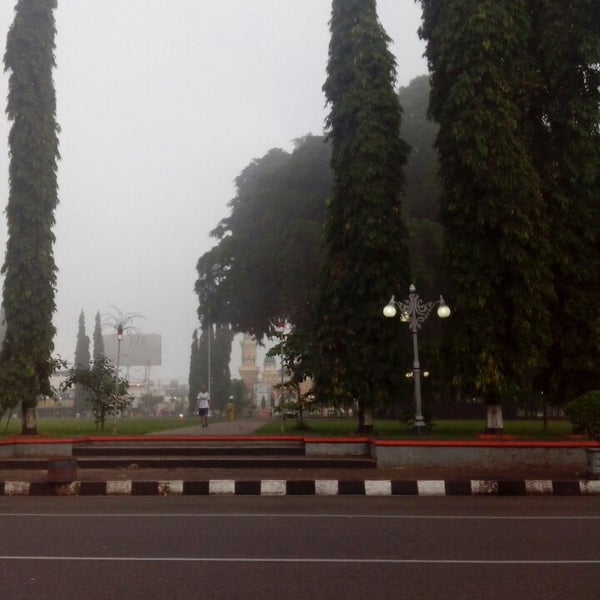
(203, 399)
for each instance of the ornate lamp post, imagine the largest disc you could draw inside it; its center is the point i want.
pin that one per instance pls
(280, 328)
(119, 328)
(414, 312)
(121, 323)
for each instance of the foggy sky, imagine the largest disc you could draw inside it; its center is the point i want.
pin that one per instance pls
(161, 105)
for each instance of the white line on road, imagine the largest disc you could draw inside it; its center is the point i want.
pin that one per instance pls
(304, 516)
(394, 561)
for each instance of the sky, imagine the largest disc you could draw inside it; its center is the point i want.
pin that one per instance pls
(161, 104)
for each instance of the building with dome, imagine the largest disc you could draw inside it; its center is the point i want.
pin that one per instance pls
(263, 384)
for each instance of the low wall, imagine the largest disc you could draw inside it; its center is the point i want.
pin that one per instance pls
(335, 447)
(476, 455)
(480, 455)
(34, 448)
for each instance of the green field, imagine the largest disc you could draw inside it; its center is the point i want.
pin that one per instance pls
(71, 427)
(321, 427)
(441, 430)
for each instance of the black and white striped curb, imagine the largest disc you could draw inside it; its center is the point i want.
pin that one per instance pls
(317, 487)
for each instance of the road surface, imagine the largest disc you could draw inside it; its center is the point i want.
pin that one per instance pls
(309, 547)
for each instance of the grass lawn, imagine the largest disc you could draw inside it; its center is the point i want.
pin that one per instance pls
(321, 427)
(71, 427)
(441, 430)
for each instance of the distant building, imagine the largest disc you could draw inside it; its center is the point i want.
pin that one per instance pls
(271, 374)
(249, 371)
(150, 398)
(265, 385)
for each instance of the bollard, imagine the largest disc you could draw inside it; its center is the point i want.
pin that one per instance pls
(62, 470)
(230, 411)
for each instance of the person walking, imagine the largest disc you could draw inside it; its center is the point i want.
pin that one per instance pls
(203, 404)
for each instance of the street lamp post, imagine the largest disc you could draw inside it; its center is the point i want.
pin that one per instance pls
(121, 323)
(279, 327)
(119, 339)
(282, 328)
(414, 312)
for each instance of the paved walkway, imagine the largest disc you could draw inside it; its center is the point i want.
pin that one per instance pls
(222, 428)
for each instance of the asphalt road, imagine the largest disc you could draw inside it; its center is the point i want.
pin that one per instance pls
(273, 548)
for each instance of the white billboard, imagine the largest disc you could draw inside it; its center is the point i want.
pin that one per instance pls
(141, 350)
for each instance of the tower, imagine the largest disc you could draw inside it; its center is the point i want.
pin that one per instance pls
(271, 373)
(249, 369)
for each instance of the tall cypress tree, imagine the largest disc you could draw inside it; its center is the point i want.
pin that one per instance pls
(82, 361)
(204, 349)
(220, 372)
(366, 259)
(194, 374)
(2, 324)
(209, 359)
(29, 269)
(98, 339)
(497, 237)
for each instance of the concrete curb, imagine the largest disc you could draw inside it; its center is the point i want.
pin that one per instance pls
(309, 487)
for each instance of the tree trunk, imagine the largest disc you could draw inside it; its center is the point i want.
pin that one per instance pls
(365, 418)
(545, 411)
(494, 423)
(28, 419)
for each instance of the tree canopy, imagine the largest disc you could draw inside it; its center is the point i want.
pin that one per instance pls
(303, 179)
(421, 204)
(515, 92)
(565, 107)
(268, 252)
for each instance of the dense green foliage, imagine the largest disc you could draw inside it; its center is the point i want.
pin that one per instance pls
(497, 235)
(421, 203)
(365, 255)
(268, 250)
(29, 268)
(515, 88)
(82, 361)
(220, 354)
(584, 412)
(303, 180)
(566, 148)
(239, 396)
(421, 169)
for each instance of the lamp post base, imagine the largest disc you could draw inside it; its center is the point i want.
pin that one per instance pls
(494, 422)
(420, 428)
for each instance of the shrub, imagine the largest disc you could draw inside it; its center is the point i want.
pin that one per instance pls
(584, 412)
